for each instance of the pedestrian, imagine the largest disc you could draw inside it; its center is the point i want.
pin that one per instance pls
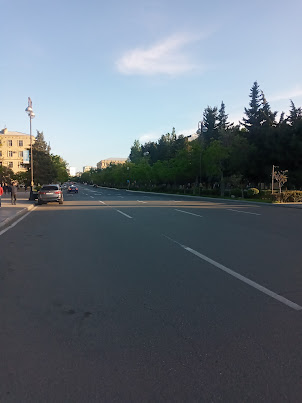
(5, 188)
(14, 193)
(1, 193)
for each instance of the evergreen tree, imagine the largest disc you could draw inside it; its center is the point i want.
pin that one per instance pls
(135, 152)
(210, 121)
(253, 114)
(40, 144)
(222, 118)
(295, 114)
(268, 118)
(281, 119)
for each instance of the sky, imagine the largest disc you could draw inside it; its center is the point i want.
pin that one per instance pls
(103, 74)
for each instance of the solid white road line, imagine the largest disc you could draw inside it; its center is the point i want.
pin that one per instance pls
(245, 212)
(187, 212)
(245, 280)
(140, 201)
(16, 222)
(126, 215)
(101, 202)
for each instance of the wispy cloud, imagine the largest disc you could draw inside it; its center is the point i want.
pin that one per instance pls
(164, 57)
(290, 94)
(152, 136)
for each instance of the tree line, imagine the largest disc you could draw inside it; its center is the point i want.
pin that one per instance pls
(223, 155)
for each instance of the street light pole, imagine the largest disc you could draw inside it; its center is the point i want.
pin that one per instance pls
(30, 112)
(201, 129)
(273, 175)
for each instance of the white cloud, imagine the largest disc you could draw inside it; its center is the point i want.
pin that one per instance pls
(291, 94)
(165, 57)
(154, 136)
(186, 132)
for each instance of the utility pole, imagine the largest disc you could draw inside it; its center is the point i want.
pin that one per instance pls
(273, 176)
(30, 112)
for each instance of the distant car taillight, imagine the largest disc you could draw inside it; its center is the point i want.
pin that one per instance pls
(42, 193)
(58, 192)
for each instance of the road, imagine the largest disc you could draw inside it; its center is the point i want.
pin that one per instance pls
(122, 296)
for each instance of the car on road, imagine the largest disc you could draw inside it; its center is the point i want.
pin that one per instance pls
(50, 193)
(73, 189)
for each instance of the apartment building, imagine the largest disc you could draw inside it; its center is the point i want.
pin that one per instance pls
(14, 148)
(87, 168)
(106, 163)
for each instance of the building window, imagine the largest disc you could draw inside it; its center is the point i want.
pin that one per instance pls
(10, 164)
(20, 154)
(20, 143)
(9, 153)
(9, 143)
(0, 153)
(20, 165)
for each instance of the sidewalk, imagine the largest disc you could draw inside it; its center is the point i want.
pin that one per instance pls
(9, 212)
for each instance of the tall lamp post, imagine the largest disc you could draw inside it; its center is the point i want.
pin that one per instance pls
(273, 176)
(30, 112)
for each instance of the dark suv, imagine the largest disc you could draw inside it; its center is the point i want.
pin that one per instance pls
(50, 193)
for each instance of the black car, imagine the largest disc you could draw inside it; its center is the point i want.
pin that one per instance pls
(73, 189)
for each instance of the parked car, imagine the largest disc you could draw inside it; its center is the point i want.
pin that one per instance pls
(73, 189)
(50, 193)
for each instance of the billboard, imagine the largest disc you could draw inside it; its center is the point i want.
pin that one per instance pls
(26, 157)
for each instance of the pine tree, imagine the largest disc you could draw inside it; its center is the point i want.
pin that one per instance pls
(210, 121)
(268, 118)
(40, 144)
(222, 118)
(295, 114)
(253, 114)
(135, 152)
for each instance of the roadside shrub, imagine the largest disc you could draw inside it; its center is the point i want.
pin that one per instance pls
(252, 192)
(265, 194)
(210, 192)
(289, 196)
(236, 192)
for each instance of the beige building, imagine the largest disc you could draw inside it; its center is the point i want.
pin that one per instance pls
(13, 148)
(105, 163)
(87, 168)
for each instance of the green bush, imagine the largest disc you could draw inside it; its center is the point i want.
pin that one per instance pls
(288, 196)
(236, 192)
(265, 194)
(252, 192)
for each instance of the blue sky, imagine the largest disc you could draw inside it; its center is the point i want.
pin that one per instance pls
(102, 74)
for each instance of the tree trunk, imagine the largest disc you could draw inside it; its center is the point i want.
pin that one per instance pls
(221, 184)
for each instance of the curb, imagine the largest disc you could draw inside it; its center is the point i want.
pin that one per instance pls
(219, 199)
(15, 217)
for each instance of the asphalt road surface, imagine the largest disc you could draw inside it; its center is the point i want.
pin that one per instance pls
(127, 297)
